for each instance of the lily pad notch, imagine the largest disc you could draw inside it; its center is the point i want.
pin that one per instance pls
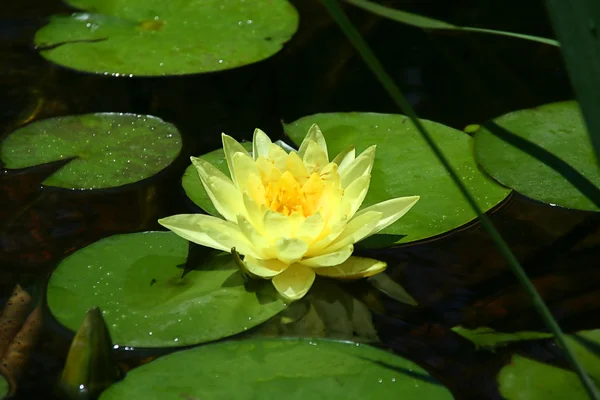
(100, 151)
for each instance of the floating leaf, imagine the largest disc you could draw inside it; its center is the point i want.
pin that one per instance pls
(422, 22)
(530, 380)
(90, 367)
(193, 186)
(108, 149)
(176, 37)
(556, 132)
(487, 337)
(586, 345)
(408, 167)
(526, 379)
(278, 369)
(136, 280)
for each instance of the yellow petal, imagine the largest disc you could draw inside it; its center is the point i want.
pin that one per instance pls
(262, 246)
(268, 171)
(278, 156)
(310, 228)
(314, 159)
(313, 192)
(353, 268)
(254, 188)
(391, 211)
(294, 282)
(294, 164)
(209, 231)
(243, 166)
(276, 225)
(220, 190)
(357, 229)
(345, 158)
(264, 268)
(330, 259)
(255, 213)
(360, 166)
(332, 193)
(354, 195)
(290, 250)
(230, 147)
(260, 144)
(314, 134)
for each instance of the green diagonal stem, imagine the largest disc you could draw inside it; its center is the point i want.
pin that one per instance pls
(386, 81)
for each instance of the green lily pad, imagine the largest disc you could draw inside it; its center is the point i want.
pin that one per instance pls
(557, 128)
(586, 345)
(193, 186)
(527, 379)
(108, 149)
(405, 166)
(489, 338)
(4, 387)
(278, 369)
(176, 37)
(136, 281)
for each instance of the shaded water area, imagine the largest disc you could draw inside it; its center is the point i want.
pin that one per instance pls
(454, 79)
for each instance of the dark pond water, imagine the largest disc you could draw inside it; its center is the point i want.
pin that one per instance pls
(452, 79)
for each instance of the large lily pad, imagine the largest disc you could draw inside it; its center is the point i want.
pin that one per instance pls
(108, 149)
(557, 128)
(405, 166)
(175, 37)
(136, 279)
(278, 369)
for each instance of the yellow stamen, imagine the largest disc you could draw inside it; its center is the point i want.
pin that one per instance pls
(285, 195)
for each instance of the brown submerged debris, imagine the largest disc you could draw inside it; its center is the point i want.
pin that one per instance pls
(19, 332)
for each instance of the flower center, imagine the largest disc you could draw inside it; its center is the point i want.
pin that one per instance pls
(286, 195)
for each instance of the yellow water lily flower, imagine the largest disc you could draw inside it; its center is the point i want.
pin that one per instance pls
(291, 215)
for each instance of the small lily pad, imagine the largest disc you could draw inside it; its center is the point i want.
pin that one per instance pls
(406, 166)
(193, 186)
(278, 369)
(108, 149)
(175, 37)
(489, 338)
(136, 279)
(557, 128)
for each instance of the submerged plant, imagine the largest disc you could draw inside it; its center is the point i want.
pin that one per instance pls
(291, 215)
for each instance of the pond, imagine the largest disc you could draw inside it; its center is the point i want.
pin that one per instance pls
(110, 292)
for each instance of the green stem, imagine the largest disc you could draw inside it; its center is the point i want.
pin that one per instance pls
(386, 81)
